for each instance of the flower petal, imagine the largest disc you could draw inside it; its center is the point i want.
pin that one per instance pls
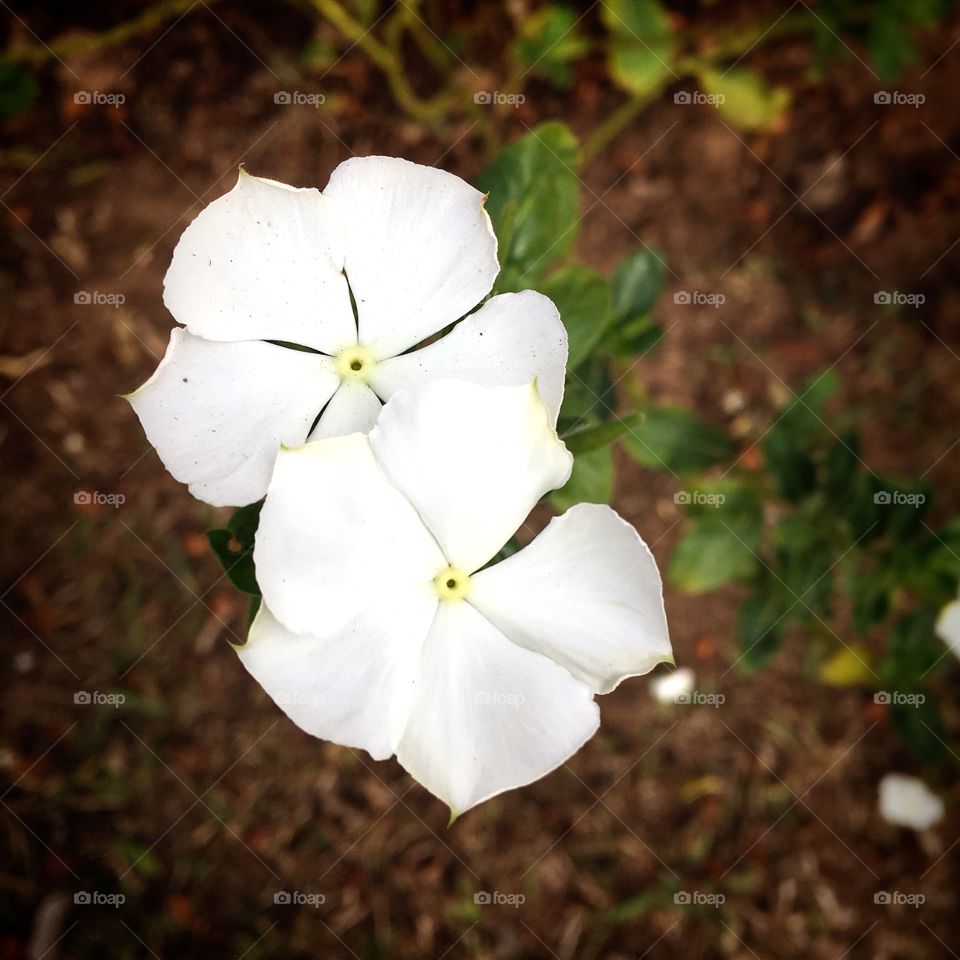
(218, 412)
(420, 249)
(473, 460)
(335, 537)
(948, 626)
(490, 716)
(357, 686)
(354, 408)
(263, 262)
(512, 339)
(585, 593)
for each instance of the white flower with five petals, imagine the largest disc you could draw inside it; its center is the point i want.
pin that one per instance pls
(269, 267)
(382, 626)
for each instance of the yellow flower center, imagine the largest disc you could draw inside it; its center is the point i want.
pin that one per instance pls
(354, 363)
(452, 583)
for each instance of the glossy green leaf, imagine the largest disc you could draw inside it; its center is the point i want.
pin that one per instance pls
(549, 42)
(720, 544)
(637, 283)
(792, 469)
(642, 48)
(761, 623)
(588, 396)
(233, 546)
(921, 728)
(913, 649)
(583, 298)
(590, 482)
(708, 556)
(584, 439)
(674, 439)
(534, 191)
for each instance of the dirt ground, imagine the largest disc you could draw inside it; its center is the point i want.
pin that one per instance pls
(197, 800)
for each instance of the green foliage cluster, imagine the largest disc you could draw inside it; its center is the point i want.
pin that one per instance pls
(821, 539)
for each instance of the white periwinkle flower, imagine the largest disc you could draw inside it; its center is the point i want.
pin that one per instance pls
(268, 267)
(909, 802)
(380, 626)
(948, 626)
(674, 686)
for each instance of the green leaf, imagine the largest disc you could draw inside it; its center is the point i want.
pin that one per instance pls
(588, 396)
(747, 101)
(802, 420)
(590, 482)
(674, 439)
(18, 90)
(913, 649)
(862, 510)
(641, 49)
(709, 556)
(921, 728)
(804, 557)
(902, 507)
(636, 284)
(533, 188)
(589, 438)
(721, 542)
(641, 70)
(761, 623)
(891, 46)
(792, 469)
(233, 546)
(549, 42)
(635, 338)
(870, 593)
(841, 466)
(583, 298)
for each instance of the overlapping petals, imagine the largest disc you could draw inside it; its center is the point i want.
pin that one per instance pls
(269, 268)
(377, 631)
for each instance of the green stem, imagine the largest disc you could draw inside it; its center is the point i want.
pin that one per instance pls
(58, 49)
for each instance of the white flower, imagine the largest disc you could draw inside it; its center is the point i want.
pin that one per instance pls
(673, 686)
(381, 628)
(268, 264)
(948, 626)
(909, 802)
